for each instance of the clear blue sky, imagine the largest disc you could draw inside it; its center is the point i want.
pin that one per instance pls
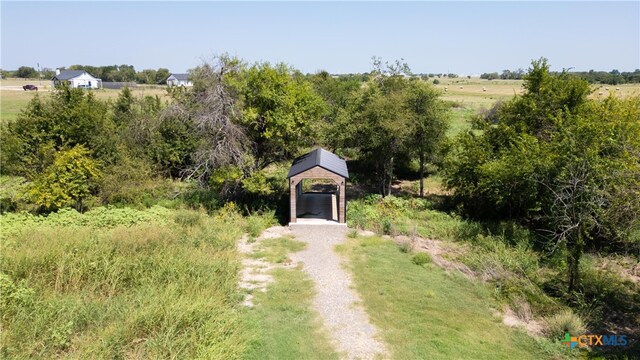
(459, 37)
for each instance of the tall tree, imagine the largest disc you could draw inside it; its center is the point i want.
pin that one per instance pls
(278, 108)
(551, 158)
(380, 122)
(429, 117)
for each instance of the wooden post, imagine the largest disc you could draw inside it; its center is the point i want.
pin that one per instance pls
(342, 202)
(293, 194)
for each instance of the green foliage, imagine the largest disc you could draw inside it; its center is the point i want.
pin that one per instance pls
(256, 223)
(337, 93)
(388, 119)
(11, 190)
(69, 117)
(421, 258)
(548, 150)
(26, 72)
(150, 289)
(278, 109)
(68, 181)
(490, 76)
(132, 181)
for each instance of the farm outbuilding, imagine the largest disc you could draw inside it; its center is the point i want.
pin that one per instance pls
(76, 79)
(179, 80)
(329, 204)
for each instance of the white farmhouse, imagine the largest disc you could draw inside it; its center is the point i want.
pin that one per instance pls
(179, 80)
(76, 79)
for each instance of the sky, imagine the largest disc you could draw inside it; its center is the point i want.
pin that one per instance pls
(466, 38)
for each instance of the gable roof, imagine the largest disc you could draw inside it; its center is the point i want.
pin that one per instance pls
(319, 157)
(180, 77)
(69, 74)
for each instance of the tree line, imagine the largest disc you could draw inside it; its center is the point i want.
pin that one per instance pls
(551, 159)
(110, 73)
(613, 77)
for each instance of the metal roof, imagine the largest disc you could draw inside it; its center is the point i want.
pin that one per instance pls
(319, 157)
(181, 77)
(68, 74)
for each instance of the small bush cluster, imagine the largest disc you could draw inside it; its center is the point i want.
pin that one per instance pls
(564, 322)
(421, 258)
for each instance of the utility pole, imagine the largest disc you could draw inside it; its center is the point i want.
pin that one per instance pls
(39, 75)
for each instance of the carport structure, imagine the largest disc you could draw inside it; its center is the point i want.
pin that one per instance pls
(327, 206)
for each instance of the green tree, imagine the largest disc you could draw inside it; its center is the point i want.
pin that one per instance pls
(161, 76)
(551, 158)
(147, 76)
(211, 111)
(278, 108)
(67, 118)
(379, 124)
(68, 181)
(429, 118)
(337, 93)
(26, 72)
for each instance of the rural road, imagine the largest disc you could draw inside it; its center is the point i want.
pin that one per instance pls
(336, 300)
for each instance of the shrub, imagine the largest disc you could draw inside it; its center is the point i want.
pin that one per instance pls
(421, 258)
(436, 81)
(563, 322)
(72, 177)
(387, 226)
(131, 182)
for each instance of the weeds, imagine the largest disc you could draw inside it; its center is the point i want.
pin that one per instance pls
(563, 322)
(143, 286)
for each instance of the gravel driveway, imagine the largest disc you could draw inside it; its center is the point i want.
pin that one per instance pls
(336, 300)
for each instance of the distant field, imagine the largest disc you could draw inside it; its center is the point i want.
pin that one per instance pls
(475, 95)
(13, 99)
(471, 95)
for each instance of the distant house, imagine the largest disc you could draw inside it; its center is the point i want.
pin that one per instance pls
(76, 79)
(179, 80)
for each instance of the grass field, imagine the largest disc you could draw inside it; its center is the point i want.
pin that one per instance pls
(122, 283)
(13, 99)
(427, 313)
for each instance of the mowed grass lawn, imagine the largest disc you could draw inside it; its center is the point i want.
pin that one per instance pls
(424, 312)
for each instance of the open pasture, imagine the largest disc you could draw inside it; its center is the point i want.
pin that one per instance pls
(475, 95)
(13, 99)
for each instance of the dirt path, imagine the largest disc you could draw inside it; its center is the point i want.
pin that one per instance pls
(336, 300)
(255, 274)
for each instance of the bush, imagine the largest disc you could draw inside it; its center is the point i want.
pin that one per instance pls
(564, 322)
(387, 226)
(72, 177)
(436, 81)
(131, 182)
(421, 258)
